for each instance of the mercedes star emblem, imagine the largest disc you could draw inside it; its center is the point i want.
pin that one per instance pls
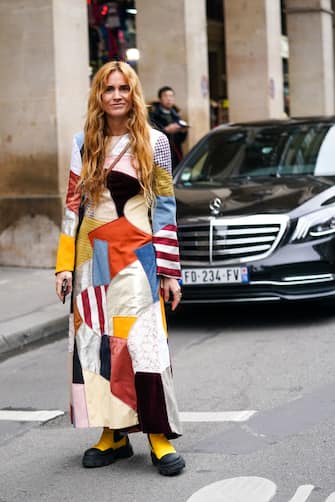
(215, 206)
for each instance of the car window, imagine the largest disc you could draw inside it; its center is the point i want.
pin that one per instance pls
(301, 150)
(326, 155)
(285, 150)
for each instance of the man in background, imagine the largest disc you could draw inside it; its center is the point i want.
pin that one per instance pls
(164, 115)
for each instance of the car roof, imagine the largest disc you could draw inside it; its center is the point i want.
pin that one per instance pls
(275, 122)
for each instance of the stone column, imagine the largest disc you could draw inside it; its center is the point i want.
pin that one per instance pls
(254, 66)
(172, 41)
(43, 92)
(311, 62)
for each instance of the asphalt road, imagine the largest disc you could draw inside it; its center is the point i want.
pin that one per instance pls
(277, 362)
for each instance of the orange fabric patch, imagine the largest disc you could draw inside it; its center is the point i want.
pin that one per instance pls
(123, 238)
(76, 317)
(122, 376)
(163, 314)
(65, 253)
(122, 325)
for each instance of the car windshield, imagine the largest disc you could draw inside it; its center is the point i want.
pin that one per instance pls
(248, 152)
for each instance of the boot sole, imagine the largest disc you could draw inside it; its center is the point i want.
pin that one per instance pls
(170, 469)
(103, 459)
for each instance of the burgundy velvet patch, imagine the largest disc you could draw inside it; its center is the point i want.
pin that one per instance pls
(151, 406)
(122, 187)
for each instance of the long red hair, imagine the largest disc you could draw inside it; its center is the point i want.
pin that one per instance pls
(92, 175)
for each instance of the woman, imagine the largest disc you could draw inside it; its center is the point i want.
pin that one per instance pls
(126, 262)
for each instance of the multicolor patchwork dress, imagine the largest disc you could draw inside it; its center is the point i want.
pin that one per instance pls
(121, 371)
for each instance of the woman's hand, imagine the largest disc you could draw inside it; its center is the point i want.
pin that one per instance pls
(59, 281)
(169, 287)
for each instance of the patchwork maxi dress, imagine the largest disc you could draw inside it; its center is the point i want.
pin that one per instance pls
(120, 363)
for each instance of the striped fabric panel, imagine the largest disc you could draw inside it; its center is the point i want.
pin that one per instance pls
(92, 308)
(167, 252)
(167, 248)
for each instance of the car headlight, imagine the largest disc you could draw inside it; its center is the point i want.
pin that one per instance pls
(315, 225)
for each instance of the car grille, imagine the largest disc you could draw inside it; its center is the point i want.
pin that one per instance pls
(231, 240)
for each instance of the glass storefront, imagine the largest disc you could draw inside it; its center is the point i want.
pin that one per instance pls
(112, 32)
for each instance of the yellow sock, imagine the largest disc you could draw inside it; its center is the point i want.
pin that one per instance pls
(160, 445)
(107, 440)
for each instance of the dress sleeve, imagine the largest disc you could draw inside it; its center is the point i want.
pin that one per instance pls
(66, 245)
(164, 212)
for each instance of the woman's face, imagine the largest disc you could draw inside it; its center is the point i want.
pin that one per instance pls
(117, 100)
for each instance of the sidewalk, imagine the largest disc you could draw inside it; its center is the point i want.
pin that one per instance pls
(30, 310)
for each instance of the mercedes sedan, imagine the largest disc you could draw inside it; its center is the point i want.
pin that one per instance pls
(256, 212)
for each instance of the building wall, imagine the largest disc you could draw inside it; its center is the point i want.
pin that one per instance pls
(254, 66)
(43, 90)
(173, 51)
(310, 35)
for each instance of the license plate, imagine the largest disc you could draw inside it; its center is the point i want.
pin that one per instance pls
(226, 275)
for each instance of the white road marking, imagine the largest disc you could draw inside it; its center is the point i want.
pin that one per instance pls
(3, 281)
(216, 416)
(30, 416)
(187, 416)
(302, 493)
(242, 489)
(331, 498)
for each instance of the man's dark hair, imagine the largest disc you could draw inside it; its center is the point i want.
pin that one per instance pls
(164, 89)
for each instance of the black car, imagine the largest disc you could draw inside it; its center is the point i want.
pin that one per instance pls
(256, 212)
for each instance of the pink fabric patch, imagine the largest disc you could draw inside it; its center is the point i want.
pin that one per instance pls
(123, 166)
(80, 417)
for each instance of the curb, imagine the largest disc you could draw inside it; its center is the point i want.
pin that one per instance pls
(17, 334)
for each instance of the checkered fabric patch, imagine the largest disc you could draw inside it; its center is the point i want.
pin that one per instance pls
(162, 153)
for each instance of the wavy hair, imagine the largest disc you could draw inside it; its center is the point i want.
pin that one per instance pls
(92, 177)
